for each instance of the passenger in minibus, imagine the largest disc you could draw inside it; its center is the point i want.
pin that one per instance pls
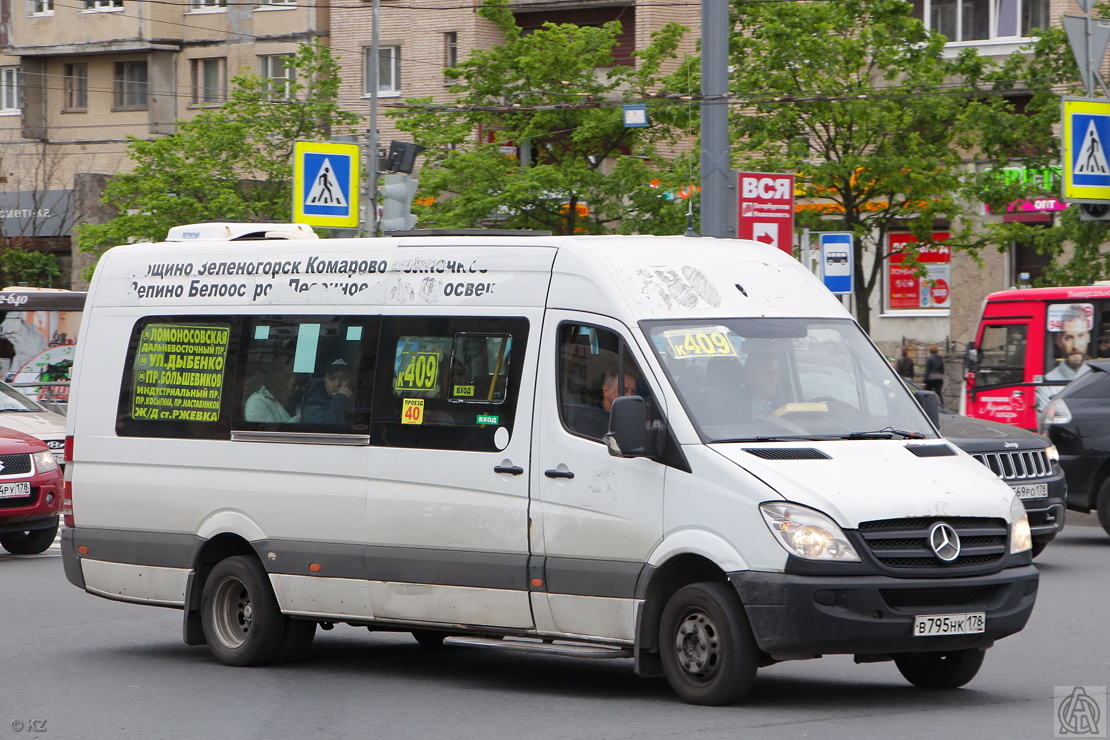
(267, 403)
(327, 398)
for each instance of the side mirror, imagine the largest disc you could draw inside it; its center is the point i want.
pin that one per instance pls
(628, 432)
(930, 404)
(971, 358)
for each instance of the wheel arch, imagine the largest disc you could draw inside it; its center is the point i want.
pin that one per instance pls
(657, 585)
(211, 551)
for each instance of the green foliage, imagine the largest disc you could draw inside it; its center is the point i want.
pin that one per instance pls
(554, 90)
(20, 266)
(877, 123)
(232, 163)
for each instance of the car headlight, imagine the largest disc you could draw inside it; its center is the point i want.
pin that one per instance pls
(1021, 537)
(45, 461)
(1056, 412)
(1053, 454)
(807, 533)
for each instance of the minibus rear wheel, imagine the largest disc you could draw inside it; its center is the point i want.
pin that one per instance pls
(706, 645)
(242, 621)
(949, 670)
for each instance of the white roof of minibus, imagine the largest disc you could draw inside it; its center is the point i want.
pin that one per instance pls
(629, 277)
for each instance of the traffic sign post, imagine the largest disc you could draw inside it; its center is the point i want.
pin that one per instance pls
(767, 209)
(837, 261)
(325, 184)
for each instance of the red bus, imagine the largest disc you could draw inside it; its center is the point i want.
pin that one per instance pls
(1030, 343)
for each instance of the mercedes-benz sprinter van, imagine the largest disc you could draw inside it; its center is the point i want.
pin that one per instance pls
(678, 450)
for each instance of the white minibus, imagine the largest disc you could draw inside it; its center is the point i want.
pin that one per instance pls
(682, 451)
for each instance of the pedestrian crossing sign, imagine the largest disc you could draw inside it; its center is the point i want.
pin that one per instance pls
(325, 184)
(1086, 134)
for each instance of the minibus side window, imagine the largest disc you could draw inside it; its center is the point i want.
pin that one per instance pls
(594, 368)
(178, 377)
(447, 383)
(1001, 355)
(307, 374)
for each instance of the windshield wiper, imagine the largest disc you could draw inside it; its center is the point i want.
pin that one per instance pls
(887, 433)
(3, 410)
(779, 438)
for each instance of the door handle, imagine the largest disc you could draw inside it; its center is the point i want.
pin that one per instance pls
(510, 469)
(558, 474)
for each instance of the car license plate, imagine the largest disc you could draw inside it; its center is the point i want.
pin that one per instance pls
(22, 489)
(1032, 490)
(949, 624)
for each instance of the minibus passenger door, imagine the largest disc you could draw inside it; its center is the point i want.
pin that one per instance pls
(595, 517)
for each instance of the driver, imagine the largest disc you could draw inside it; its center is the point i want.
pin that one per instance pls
(763, 374)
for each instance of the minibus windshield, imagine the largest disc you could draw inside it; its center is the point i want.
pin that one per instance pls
(772, 379)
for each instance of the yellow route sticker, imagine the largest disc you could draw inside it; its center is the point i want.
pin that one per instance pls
(419, 372)
(412, 410)
(463, 391)
(708, 341)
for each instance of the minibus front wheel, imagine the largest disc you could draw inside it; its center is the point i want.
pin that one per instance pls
(242, 622)
(706, 645)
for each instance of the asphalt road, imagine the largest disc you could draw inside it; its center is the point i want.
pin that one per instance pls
(76, 666)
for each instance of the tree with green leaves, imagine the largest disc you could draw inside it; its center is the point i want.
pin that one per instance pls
(880, 125)
(1047, 73)
(555, 95)
(232, 163)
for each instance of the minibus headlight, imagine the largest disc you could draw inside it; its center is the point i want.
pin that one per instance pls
(1021, 537)
(807, 533)
(45, 461)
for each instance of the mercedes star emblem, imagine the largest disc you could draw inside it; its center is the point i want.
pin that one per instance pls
(944, 541)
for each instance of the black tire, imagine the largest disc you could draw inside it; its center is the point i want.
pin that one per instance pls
(31, 542)
(1102, 506)
(242, 622)
(940, 670)
(430, 639)
(297, 643)
(1039, 546)
(705, 642)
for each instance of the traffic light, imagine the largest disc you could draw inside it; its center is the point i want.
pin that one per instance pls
(1094, 211)
(396, 198)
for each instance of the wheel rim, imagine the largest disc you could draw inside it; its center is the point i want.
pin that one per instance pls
(232, 612)
(697, 646)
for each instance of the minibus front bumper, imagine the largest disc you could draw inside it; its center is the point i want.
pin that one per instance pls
(800, 616)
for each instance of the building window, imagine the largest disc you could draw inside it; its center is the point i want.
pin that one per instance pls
(130, 85)
(41, 7)
(9, 90)
(983, 20)
(208, 4)
(102, 4)
(276, 2)
(389, 71)
(77, 87)
(209, 81)
(450, 50)
(278, 70)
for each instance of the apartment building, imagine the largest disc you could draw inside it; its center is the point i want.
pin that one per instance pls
(77, 77)
(416, 43)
